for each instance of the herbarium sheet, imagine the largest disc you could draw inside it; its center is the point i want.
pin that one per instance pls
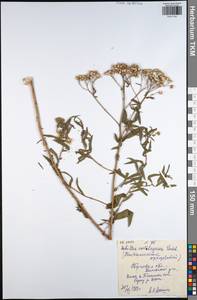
(94, 149)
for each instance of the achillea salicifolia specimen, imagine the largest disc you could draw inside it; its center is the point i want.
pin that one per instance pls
(136, 85)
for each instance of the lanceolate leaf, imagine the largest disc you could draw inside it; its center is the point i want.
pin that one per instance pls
(125, 214)
(117, 199)
(40, 165)
(48, 159)
(51, 164)
(71, 178)
(54, 153)
(124, 117)
(59, 141)
(116, 138)
(131, 134)
(120, 173)
(77, 183)
(78, 121)
(50, 135)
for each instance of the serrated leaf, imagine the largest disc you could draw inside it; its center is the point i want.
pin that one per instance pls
(125, 214)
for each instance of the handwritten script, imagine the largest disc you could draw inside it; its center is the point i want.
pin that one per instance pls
(152, 268)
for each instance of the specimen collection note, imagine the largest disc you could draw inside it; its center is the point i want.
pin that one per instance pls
(152, 268)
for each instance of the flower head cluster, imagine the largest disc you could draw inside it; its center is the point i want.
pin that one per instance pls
(91, 75)
(156, 77)
(123, 69)
(152, 77)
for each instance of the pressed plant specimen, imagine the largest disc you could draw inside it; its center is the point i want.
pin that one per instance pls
(136, 85)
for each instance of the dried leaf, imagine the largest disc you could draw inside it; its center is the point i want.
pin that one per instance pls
(116, 138)
(152, 176)
(120, 173)
(124, 117)
(117, 199)
(61, 142)
(77, 183)
(131, 134)
(143, 191)
(71, 178)
(50, 162)
(54, 153)
(40, 165)
(78, 121)
(114, 148)
(50, 135)
(125, 214)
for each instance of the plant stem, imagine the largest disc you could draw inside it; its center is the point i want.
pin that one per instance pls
(115, 81)
(101, 105)
(29, 82)
(86, 196)
(99, 164)
(136, 96)
(117, 157)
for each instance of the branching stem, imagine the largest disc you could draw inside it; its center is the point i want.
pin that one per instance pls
(29, 82)
(117, 157)
(86, 196)
(102, 106)
(99, 164)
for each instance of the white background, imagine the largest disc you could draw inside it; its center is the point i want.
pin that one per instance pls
(50, 250)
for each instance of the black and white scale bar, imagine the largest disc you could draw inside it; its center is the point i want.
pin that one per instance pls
(192, 137)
